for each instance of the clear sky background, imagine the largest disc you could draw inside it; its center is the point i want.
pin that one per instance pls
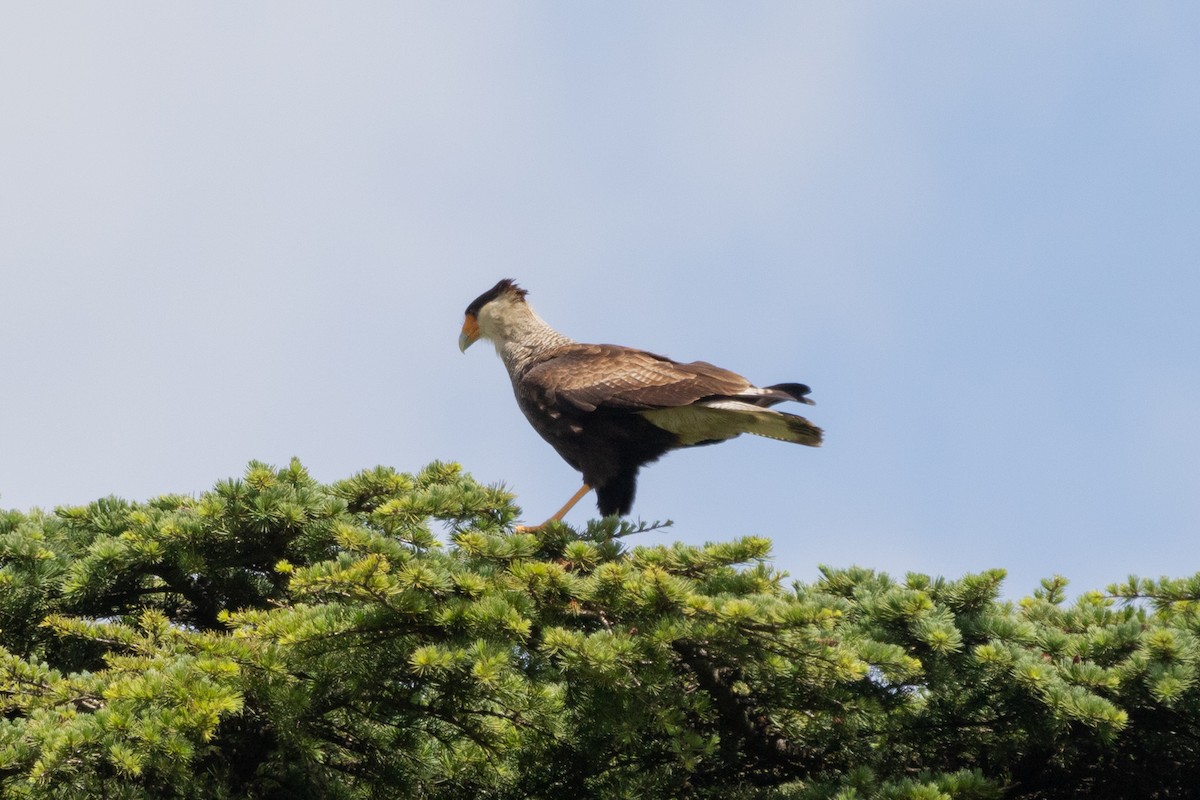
(234, 231)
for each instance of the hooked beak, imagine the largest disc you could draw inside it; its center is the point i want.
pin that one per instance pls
(470, 333)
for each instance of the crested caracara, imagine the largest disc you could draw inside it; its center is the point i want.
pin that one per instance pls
(608, 410)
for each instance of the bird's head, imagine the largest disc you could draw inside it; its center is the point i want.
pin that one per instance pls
(491, 315)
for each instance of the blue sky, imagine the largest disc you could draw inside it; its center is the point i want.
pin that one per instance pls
(248, 231)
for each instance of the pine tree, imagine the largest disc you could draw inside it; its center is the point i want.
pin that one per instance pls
(389, 635)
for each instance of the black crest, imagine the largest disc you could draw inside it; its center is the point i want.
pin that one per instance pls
(507, 285)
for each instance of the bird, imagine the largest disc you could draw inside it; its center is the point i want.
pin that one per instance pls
(609, 410)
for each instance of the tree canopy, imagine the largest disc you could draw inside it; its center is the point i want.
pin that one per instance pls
(390, 635)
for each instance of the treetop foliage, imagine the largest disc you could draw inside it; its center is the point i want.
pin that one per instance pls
(389, 635)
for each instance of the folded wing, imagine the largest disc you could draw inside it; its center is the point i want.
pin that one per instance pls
(698, 402)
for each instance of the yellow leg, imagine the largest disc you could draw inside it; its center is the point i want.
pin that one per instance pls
(562, 512)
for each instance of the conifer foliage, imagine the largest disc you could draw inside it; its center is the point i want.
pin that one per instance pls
(389, 635)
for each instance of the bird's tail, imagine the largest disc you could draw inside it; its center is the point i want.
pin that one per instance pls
(760, 421)
(717, 420)
(777, 393)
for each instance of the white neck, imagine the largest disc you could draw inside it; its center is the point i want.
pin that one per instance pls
(518, 334)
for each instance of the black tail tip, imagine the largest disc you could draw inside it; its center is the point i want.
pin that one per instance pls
(796, 390)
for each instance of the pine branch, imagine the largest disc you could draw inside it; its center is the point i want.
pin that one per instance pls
(740, 718)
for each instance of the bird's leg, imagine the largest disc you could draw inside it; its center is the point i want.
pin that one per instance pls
(562, 512)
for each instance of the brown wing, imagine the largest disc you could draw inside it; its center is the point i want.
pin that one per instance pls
(591, 376)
